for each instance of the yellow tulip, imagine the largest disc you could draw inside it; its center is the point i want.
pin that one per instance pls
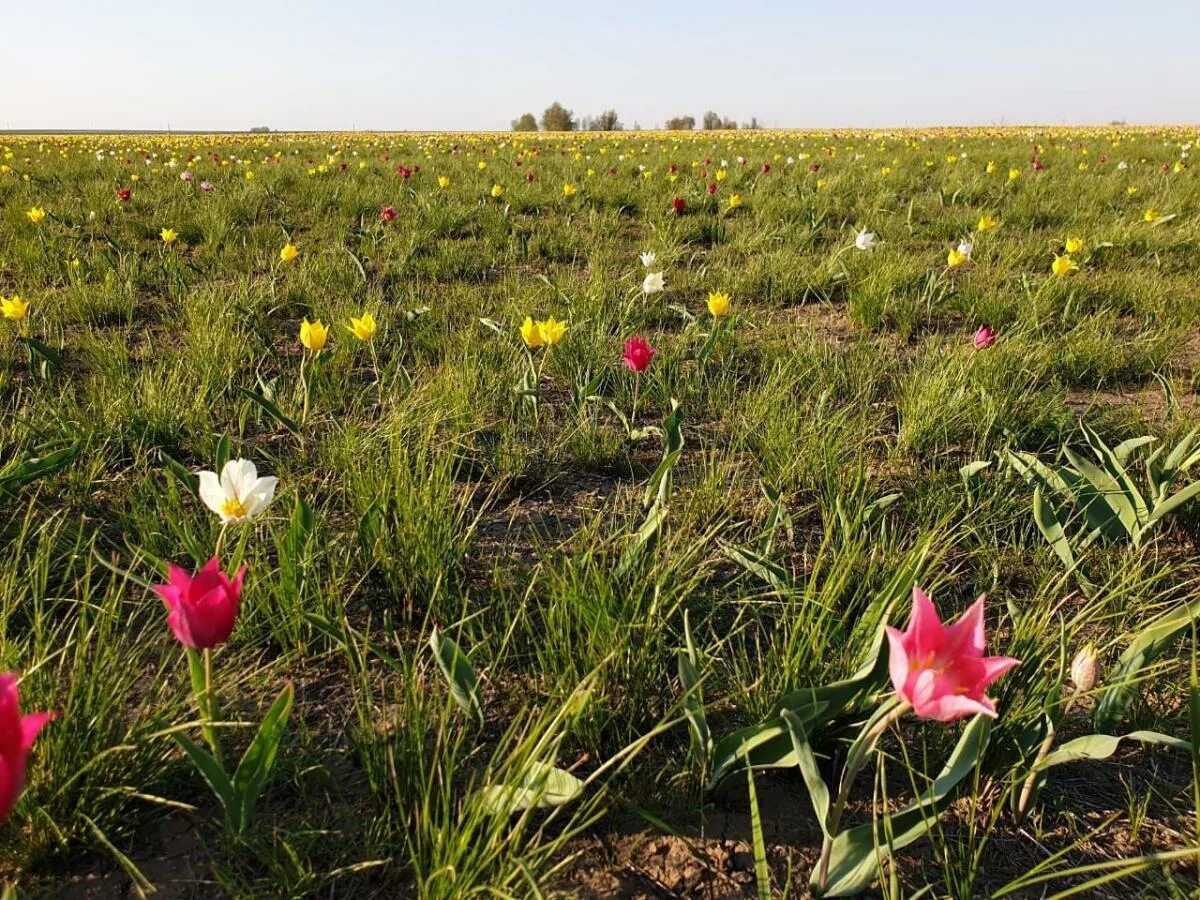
(530, 333)
(313, 335)
(955, 258)
(14, 308)
(443, 181)
(569, 190)
(364, 327)
(986, 223)
(718, 304)
(552, 330)
(1151, 215)
(991, 168)
(289, 252)
(735, 201)
(169, 236)
(497, 190)
(1074, 244)
(1063, 266)
(35, 214)
(1014, 174)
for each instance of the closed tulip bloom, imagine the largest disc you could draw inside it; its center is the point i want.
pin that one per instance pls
(123, 194)
(678, 206)
(363, 327)
(648, 258)
(238, 495)
(1014, 174)
(1063, 266)
(569, 190)
(17, 734)
(169, 236)
(735, 201)
(497, 191)
(986, 223)
(202, 608)
(638, 354)
(289, 252)
(313, 335)
(1085, 668)
(718, 304)
(653, 283)
(1151, 215)
(1074, 244)
(387, 214)
(35, 214)
(984, 338)
(940, 669)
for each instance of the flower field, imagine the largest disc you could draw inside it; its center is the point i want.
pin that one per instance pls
(638, 514)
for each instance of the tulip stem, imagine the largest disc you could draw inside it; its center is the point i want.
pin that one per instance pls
(854, 765)
(1031, 781)
(304, 389)
(637, 381)
(200, 665)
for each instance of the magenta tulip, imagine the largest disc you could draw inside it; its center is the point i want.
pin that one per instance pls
(984, 338)
(638, 354)
(201, 608)
(941, 670)
(17, 733)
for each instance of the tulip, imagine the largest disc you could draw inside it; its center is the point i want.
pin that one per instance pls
(1085, 668)
(443, 182)
(1014, 174)
(14, 308)
(185, 176)
(648, 258)
(17, 734)
(552, 331)
(123, 194)
(238, 495)
(1063, 266)
(984, 338)
(36, 214)
(940, 670)
(956, 258)
(569, 190)
(678, 206)
(986, 223)
(1151, 215)
(313, 335)
(201, 608)
(638, 354)
(865, 240)
(497, 191)
(530, 333)
(1074, 244)
(364, 327)
(206, 186)
(387, 214)
(718, 304)
(653, 283)
(735, 201)
(288, 252)
(169, 236)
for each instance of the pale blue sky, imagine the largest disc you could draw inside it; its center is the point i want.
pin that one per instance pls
(214, 64)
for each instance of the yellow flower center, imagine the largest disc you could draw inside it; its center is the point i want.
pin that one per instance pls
(233, 508)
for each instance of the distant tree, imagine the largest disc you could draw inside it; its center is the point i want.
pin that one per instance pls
(681, 123)
(606, 121)
(752, 125)
(557, 118)
(261, 129)
(526, 123)
(712, 122)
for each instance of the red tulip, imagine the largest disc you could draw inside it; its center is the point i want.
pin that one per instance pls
(201, 608)
(766, 167)
(712, 187)
(815, 167)
(123, 194)
(638, 354)
(984, 338)
(529, 177)
(403, 171)
(941, 670)
(387, 214)
(17, 733)
(678, 205)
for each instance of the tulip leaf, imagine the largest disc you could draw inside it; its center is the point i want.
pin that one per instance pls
(858, 853)
(269, 407)
(776, 577)
(27, 470)
(224, 451)
(456, 666)
(818, 791)
(1051, 522)
(1102, 746)
(210, 770)
(259, 758)
(538, 786)
(180, 472)
(1147, 645)
(51, 356)
(762, 871)
(693, 701)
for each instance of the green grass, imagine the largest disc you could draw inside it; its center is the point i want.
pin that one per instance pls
(442, 496)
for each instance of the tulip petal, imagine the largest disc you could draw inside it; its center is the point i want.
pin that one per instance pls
(925, 633)
(31, 725)
(211, 493)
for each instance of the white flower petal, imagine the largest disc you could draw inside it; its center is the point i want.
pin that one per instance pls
(211, 494)
(259, 498)
(239, 477)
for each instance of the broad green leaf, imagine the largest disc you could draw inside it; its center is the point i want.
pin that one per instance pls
(857, 852)
(1172, 503)
(1050, 522)
(1125, 449)
(818, 791)
(269, 407)
(18, 474)
(1102, 746)
(180, 472)
(224, 446)
(210, 771)
(456, 666)
(51, 356)
(772, 573)
(1105, 487)
(1114, 467)
(762, 871)
(540, 785)
(299, 528)
(259, 758)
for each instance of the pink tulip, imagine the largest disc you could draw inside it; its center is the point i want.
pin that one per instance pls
(17, 733)
(984, 338)
(941, 670)
(638, 354)
(201, 608)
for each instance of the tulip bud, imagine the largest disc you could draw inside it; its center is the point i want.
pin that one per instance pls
(1084, 669)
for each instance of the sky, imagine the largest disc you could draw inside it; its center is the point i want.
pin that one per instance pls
(474, 65)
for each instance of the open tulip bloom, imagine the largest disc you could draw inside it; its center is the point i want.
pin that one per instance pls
(238, 495)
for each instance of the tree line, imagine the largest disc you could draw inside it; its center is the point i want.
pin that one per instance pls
(558, 118)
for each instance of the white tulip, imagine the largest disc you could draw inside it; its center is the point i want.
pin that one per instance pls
(865, 240)
(648, 258)
(965, 248)
(653, 283)
(239, 494)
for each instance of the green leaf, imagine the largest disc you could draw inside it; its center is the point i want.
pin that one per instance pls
(223, 452)
(52, 357)
(269, 407)
(538, 786)
(762, 871)
(1147, 645)
(1106, 489)
(1172, 503)
(776, 577)
(299, 528)
(456, 666)
(180, 472)
(1051, 521)
(818, 791)
(259, 758)
(693, 701)
(18, 474)
(858, 852)
(210, 771)
(1114, 466)
(1102, 746)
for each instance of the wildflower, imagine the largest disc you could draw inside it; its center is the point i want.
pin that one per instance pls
(443, 181)
(1084, 669)
(202, 608)
(941, 670)
(984, 338)
(569, 190)
(956, 258)
(289, 252)
(990, 168)
(531, 334)
(497, 190)
(865, 240)
(735, 201)
(169, 236)
(1014, 174)
(364, 327)
(1063, 266)
(18, 734)
(313, 335)
(638, 354)
(986, 223)
(1151, 215)
(14, 308)
(1131, 190)
(678, 206)
(721, 175)
(1074, 244)
(648, 258)
(552, 331)
(35, 214)
(186, 176)
(238, 495)
(718, 304)
(387, 214)
(653, 283)
(206, 186)
(123, 194)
